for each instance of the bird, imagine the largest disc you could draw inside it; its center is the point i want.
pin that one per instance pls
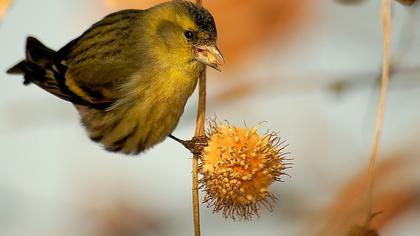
(130, 74)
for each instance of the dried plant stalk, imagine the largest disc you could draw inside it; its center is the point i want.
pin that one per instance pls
(386, 22)
(199, 131)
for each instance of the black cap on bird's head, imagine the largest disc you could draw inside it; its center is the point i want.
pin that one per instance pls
(202, 18)
(203, 36)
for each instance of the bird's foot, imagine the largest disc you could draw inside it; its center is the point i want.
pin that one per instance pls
(196, 145)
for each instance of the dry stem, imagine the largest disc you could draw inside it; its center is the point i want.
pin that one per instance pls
(199, 131)
(386, 21)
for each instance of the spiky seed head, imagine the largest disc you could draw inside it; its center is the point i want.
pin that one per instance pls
(238, 166)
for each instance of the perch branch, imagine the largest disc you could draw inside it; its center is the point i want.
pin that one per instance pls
(199, 131)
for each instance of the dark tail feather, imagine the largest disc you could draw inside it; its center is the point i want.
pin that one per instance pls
(38, 53)
(38, 66)
(37, 57)
(22, 68)
(18, 68)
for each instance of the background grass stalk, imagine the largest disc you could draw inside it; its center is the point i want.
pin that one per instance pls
(386, 23)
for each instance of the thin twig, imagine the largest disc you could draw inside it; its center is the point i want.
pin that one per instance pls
(199, 131)
(386, 22)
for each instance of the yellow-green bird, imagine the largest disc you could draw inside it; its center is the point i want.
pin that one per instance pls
(130, 74)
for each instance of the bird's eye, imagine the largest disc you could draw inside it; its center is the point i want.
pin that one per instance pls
(189, 34)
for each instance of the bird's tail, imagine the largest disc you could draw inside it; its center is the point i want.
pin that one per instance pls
(39, 68)
(37, 57)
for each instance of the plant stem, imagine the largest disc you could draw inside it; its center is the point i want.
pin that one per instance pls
(199, 131)
(386, 23)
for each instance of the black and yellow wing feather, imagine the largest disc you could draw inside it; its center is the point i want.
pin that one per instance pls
(88, 70)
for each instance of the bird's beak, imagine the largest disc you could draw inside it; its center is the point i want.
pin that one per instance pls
(209, 55)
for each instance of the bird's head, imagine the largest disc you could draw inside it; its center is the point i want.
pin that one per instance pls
(188, 32)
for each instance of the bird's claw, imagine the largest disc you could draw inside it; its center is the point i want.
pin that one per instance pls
(196, 144)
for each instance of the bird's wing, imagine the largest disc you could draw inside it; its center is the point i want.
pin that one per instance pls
(101, 59)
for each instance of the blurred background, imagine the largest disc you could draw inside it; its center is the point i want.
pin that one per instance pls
(310, 69)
